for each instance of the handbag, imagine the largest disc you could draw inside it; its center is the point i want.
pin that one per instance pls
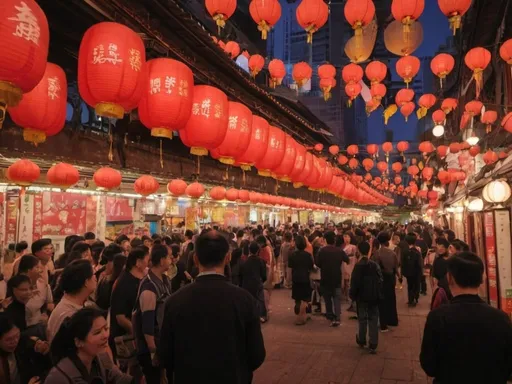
(126, 347)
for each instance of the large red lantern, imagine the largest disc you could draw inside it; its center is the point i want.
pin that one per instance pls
(387, 147)
(441, 66)
(107, 178)
(413, 170)
(407, 12)
(220, 11)
(166, 101)
(477, 59)
(42, 111)
(208, 123)
(300, 162)
(277, 72)
(301, 73)
(376, 71)
(359, 13)
(256, 63)
(255, 197)
(232, 49)
(63, 175)
(265, 13)
(243, 195)
(404, 96)
(407, 67)
(23, 50)
(177, 187)
(110, 61)
(195, 190)
(238, 135)
(438, 117)
(232, 194)
(146, 185)
(23, 172)
(284, 169)
(506, 122)
(312, 15)
(218, 193)
(352, 73)
(257, 144)
(454, 10)
(274, 153)
(427, 173)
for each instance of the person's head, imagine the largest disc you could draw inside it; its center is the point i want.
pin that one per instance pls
(96, 249)
(189, 234)
(30, 266)
(330, 237)
(70, 240)
(21, 248)
(465, 272)
(383, 238)
(262, 241)
(244, 245)
(236, 255)
(364, 248)
(109, 252)
(442, 246)
(287, 237)
(124, 242)
(83, 249)
(396, 239)
(160, 257)
(410, 239)
(118, 265)
(84, 333)
(240, 234)
(89, 238)
(42, 249)
(449, 235)
(254, 248)
(457, 246)
(346, 238)
(136, 242)
(138, 258)
(9, 334)
(175, 253)
(19, 288)
(212, 250)
(147, 241)
(78, 278)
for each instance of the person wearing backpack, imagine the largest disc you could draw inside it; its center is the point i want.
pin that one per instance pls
(366, 291)
(412, 269)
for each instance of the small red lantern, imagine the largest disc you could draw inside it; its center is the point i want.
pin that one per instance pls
(218, 193)
(425, 102)
(23, 172)
(449, 105)
(256, 63)
(352, 149)
(407, 67)
(243, 195)
(413, 170)
(107, 178)
(407, 109)
(382, 166)
(404, 96)
(352, 73)
(352, 90)
(342, 160)
(454, 10)
(442, 65)
(257, 144)
(489, 118)
(372, 149)
(397, 180)
(274, 152)
(455, 148)
(490, 157)
(232, 194)
(444, 177)
(195, 190)
(506, 51)
(442, 151)
(326, 71)
(397, 167)
(319, 147)
(426, 147)
(146, 185)
(353, 163)
(427, 173)
(359, 13)
(438, 117)
(334, 150)
(63, 175)
(402, 146)
(312, 15)
(378, 91)
(232, 49)
(474, 150)
(506, 122)
(368, 164)
(376, 71)
(265, 13)
(477, 59)
(302, 72)
(177, 187)
(277, 71)
(387, 147)
(220, 11)
(255, 197)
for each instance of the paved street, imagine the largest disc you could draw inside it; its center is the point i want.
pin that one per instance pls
(318, 354)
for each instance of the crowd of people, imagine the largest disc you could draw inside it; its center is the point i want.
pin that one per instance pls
(152, 309)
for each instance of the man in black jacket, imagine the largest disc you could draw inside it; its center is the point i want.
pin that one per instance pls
(467, 341)
(211, 331)
(412, 269)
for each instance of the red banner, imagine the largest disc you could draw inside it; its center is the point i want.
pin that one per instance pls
(490, 258)
(119, 209)
(11, 216)
(64, 213)
(38, 217)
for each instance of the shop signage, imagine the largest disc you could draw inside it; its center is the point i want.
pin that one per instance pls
(503, 252)
(490, 258)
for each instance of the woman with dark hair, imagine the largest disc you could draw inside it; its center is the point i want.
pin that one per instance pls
(235, 263)
(177, 269)
(79, 351)
(69, 243)
(18, 294)
(107, 281)
(301, 264)
(96, 250)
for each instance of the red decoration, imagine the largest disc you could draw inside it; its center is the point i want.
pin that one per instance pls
(352, 90)
(232, 194)
(449, 105)
(413, 170)
(257, 144)
(265, 13)
(406, 12)
(397, 167)
(506, 51)
(274, 153)
(477, 59)
(473, 108)
(277, 70)
(23, 172)
(353, 163)
(442, 65)
(232, 49)
(302, 72)
(407, 109)
(506, 122)
(454, 10)
(398, 180)
(110, 63)
(195, 190)
(255, 197)
(407, 67)
(378, 91)
(334, 150)
(444, 177)
(42, 111)
(352, 149)
(146, 185)
(285, 168)
(402, 146)
(490, 157)
(63, 175)
(166, 101)
(326, 85)
(352, 73)
(319, 147)
(312, 15)
(382, 166)
(256, 63)
(426, 147)
(455, 147)
(218, 193)
(359, 13)
(442, 151)
(243, 195)
(220, 10)
(208, 123)
(404, 96)
(489, 118)
(107, 178)
(372, 149)
(326, 71)
(474, 150)
(438, 117)
(376, 71)
(342, 160)
(427, 173)
(368, 164)
(177, 187)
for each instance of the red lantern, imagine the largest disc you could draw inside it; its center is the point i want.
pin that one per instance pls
(407, 67)
(352, 149)
(218, 193)
(506, 122)
(220, 11)
(387, 147)
(438, 117)
(326, 71)
(232, 49)
(238, 135)
(473, 108)
(334, 150)
(368, 164)
(474, 150)
(490, 157)
(166, 102)
(146, 185)
(402, 146)
(404, 96)
(407, 109)
(276, 69)
(382, 166)
(285, 168)
(397, 167)
(397, 180)
(23, 172)
(342, 160)
(433, 195)
(177, 187)
(302, 72)
(502, 155)
(42, 111)
(353, 163)
(427, 173)
(63, 175)
(449, 105)
(425, 102)
(107, 178)
(442, 151)
(426, 147)
(489, 118)
(455, 148)
(319, 147)
(352, 73)
(407, 12)
(243, 195)
(256, 63)
(352, 90)
(372, 149)
(232, 194)
(326, 85)
(195, 190)
(110, 62)
(477, 59)
(274, 152)
(441, 66)
(444, 177)
(359, 13)
(208, 123)
(312, 15)
(506, 51)
(378, 91)
(413, 170)
(299, 166)
(265, 13)
(255, 197)
(23, 50)
(257, 144)
(454, 10)
(376, 72)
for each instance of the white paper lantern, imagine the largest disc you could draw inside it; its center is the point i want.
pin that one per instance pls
(476, 205)
(497, 191)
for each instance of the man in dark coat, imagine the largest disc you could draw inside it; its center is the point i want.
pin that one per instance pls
(412, 269)
(467, 341)
(211, 324)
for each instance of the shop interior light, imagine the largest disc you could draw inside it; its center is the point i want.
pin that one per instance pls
(497, 191)
(472, 140)
(438, 131)
(476, 205)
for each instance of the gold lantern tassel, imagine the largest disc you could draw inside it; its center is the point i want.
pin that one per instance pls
(161, 155)
(421, 112)
(358, 33)
(219, 19)
(388, 112)
(407, 22)
(327, 93)
(198, 165)
(455, 22)
(264, 28)
(226, 176)
(488, 128)
(243, 177)
(111, 140)
(478, 75)
(310, 30)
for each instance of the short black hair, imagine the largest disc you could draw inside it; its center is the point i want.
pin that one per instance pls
(383, 238)
(109, 252)
(330, 237)
(261, 240)
(442, 241)
(6, 324)
(300, 243)
(135, 254)
(158, 252)
(21, 246)
(240, 233)
(121, 238)
(211, 249)
(189, 234)
(27, 262)
(136, 242)
(254, 248)
(15, 282)
(89, 236)
(38, 245)
(74, 276)
(288, 236)
(146, 238)
(459, 245)
(364, 248)
(467, 269)
(450, 233)
(411, 238)
(175, 250)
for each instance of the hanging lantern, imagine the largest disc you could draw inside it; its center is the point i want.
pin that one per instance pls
(353, 163)
(110, 62)
(277, 72)
(371, 105)
(311, 16)
(407, 12)
(166, 102)
(506, 122)
(444, 177)
(285, 168)
(455, 148)
(489, 118)
(326, 85)
(146, 185)
(107, 178)
(208, 123)
(238, 134)
(257, 144)
(398, 180)
(395, 42)
(407, 67)
(497, 191)
(442, 65)
(42, 111)
(220, 11)
(243, 195)
(23, 172)
(368, 177)
(307, 174)
(256, 63)
(352, 73)
(195, 190)
(397, 167)
(490, 157)
(352, 150)
(407, 109)
(426, 147)
(301, 73)
(378, 91)
(255, 197)
(352, 90)
(477, 59)
(473, 108)
(368, 164)
(382, 166)
(218, 193)
(427, 173)
(334, 150)
(402, 146)
(359, 13)
(232, 194)
(449, 105)
(404, 96)
(372, 149)
(506, 52)
(454, 10)
(425, 102)
(274, 153)
(326, 71)
(63, 175)
(442, 151)
(299, 166)
(318, 147)
(23, 50)
(177, 187)
(265, 13)
(474, 150)
(376, 71)
(438, 117)
(413, 170)
(342, 160)
(358, 50)
(232, 49)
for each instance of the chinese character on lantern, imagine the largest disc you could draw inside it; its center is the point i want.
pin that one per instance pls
(244, 126)
(183, 89)
(28, 26)
(195, 109)
(53, 88)
(170, 82)
(135, 60)
(218, 111)
(205, 108)
(155, 85)
(233, 120)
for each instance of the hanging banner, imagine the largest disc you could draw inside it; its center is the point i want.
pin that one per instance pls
(490, 258)
(90, 214)
(119, 209)
(26, 226)
(503, 251)
(11, 216)
(63, 213)
(190, 218)
(101, 223)
(38, 217)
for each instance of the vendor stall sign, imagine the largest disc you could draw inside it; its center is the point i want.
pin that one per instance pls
(490, 258)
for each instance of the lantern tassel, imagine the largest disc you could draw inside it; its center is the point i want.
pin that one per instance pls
(407, 22)
(161, 155)
(488, 128)
(358, 33)
(455, 23)
(198, 165)
(226, 176)
(3, 111)
(478, 75)
(111, 140)
(243, 177)
(264, 28)
(310, 30)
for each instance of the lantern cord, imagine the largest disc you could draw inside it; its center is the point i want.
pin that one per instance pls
(111, 140)
(3, 111)
(198, 165)
(243, 177)
(226, 177)
(161, 155)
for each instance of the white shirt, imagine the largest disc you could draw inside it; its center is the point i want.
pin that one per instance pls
(64, 309)
(41, 295)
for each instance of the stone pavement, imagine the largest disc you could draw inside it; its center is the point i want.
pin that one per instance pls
(317, 354)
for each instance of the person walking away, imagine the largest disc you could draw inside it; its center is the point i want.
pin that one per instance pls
(440, 266)
(467, 341)
(366, 291)
(439, 297)
(329, 261)
(212, 322)
(253, 274)
(267, 256)
(286, 249)
(351, 250)
(422, 244)
(412, 269)
(301, 264)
